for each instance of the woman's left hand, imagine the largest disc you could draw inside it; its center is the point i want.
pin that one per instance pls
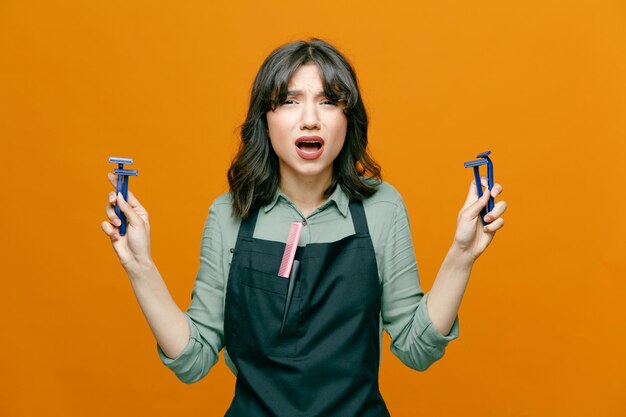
(471, 237)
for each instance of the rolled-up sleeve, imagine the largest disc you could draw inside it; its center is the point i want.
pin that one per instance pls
(414, 339)
(205, 315)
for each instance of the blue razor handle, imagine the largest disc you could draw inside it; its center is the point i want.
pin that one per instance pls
(476, 164)
(122, 185)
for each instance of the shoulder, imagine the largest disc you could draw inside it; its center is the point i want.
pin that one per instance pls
(384, 210)
(386, 198)
(221, 212)
(223, 203)
(387, 219)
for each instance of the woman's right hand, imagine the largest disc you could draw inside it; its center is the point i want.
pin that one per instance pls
(133, 249)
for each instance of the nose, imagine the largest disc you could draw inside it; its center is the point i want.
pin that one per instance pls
(310, 117)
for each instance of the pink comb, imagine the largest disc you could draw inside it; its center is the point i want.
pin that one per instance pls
(290, 250)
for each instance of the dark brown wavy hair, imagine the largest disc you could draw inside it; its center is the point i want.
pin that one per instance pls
(254, 173)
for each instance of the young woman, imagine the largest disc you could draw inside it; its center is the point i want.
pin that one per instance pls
(303, 158)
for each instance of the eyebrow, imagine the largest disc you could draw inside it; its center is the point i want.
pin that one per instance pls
(299, 92)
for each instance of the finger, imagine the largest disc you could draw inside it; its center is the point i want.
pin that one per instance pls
(484, 181)
(131, 216)
(110, 210)
(498, 209)
(112, 215)
(472, 194)
(112, 179)
(474, 209)
(496, 190)
(496, 225)
(132, 200)
(110, 231)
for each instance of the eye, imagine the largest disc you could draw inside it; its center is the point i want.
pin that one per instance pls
(288, 101)
(329, 102)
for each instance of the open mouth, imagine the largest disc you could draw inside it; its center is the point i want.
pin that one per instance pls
(309, 146)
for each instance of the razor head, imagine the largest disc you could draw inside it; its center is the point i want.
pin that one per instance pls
(126, 172)
(475, 163)
(117, 160)
(483, 155)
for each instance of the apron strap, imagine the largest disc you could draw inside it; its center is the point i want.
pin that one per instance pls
(358, 218)
(246, 229)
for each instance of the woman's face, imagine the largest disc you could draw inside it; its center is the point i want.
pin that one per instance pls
(307, 131)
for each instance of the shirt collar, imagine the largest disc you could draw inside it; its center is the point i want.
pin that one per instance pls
(272, 203)
(338, 197)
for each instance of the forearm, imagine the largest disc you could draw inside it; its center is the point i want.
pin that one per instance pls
(166, 320)
(447, 292)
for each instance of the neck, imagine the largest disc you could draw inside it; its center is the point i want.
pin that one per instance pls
(306, 193)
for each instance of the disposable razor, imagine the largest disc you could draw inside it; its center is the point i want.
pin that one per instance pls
(476, 164)
(122, 185)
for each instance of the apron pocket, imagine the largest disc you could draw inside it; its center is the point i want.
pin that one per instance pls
(260, 305)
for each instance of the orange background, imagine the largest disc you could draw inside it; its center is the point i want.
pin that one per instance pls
(540, 83)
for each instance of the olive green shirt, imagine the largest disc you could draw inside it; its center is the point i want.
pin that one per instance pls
(414, 340)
